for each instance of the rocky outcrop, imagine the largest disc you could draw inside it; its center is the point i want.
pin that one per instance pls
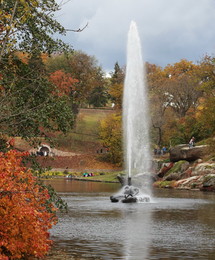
(183, 152)
(177, 172)
(164, 169)
(188, 175)
(208, 183)
(203, 168)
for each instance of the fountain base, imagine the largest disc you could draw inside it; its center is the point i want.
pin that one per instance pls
(129, 194)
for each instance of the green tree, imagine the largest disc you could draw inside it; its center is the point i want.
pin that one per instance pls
(98, 97)
(116, 85)
(118, 75)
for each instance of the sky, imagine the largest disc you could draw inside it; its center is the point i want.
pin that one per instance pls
(169, 30)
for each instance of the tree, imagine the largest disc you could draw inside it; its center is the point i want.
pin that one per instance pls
(26, 214)
(85, 69)
(182, 86)
(174, 93)
(206, 112)
(64, 82)
(116, 85)
(28, 106)
(29, 25)
(118, 76)
(98, 97)
(111, 137)
(155, 81)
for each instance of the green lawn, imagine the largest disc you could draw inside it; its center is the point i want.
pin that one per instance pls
(98, 176)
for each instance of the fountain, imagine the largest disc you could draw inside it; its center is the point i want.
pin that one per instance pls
(135, 125)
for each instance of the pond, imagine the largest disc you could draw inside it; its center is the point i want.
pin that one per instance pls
(175, 225)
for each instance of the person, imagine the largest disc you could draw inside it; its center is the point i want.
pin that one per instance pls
(192, 142)
(164, 150)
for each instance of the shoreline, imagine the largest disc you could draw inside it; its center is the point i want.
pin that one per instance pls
(157, 184)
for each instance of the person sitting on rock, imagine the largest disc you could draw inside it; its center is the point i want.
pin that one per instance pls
(192, 142)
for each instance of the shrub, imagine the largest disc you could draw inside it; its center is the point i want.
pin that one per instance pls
(25, 211)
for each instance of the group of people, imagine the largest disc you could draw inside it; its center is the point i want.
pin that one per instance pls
(163, 150)
(160, 151)
(87, 174)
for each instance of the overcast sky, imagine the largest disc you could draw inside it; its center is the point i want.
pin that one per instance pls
(170, 30)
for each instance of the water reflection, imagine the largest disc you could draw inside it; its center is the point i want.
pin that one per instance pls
(178, 225)
(137, 231)
(67, 185)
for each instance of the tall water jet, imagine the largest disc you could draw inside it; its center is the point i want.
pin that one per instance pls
(135, 122)
(136, 109)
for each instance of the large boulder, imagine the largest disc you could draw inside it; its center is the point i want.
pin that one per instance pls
(183, 152)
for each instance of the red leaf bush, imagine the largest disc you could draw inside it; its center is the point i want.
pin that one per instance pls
(26, 214)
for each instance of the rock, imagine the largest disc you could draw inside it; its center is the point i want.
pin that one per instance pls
(208, 183)
(183, 152)
(203, 169)
(164, 169)
(193, 182)
(177, 171)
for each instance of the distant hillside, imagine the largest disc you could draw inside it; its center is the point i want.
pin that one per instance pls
(84, 137)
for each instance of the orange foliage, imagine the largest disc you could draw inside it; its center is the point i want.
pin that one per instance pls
(63, 81)
(24, 56)
(24, 215)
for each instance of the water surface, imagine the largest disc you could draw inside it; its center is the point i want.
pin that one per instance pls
(176, 225)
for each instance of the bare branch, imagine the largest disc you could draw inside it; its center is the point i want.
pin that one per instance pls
(78, 30)
(63, 3)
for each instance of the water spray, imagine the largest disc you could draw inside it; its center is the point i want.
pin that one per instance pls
(135, 120)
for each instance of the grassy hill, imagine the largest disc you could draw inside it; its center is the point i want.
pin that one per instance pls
(83, 142)
(84, 138)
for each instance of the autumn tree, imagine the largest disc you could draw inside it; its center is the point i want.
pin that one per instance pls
(28, 25)
(175, 93)
(111, 137)
(206, 112)
(85, 69)
(64, 82)
(26, 214)
(28, 107)
(182, 86)
(158, 106)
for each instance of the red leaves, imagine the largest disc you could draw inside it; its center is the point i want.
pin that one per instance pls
(24, 218)
(63, 81)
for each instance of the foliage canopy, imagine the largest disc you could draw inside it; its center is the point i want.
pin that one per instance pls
(26, 214)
